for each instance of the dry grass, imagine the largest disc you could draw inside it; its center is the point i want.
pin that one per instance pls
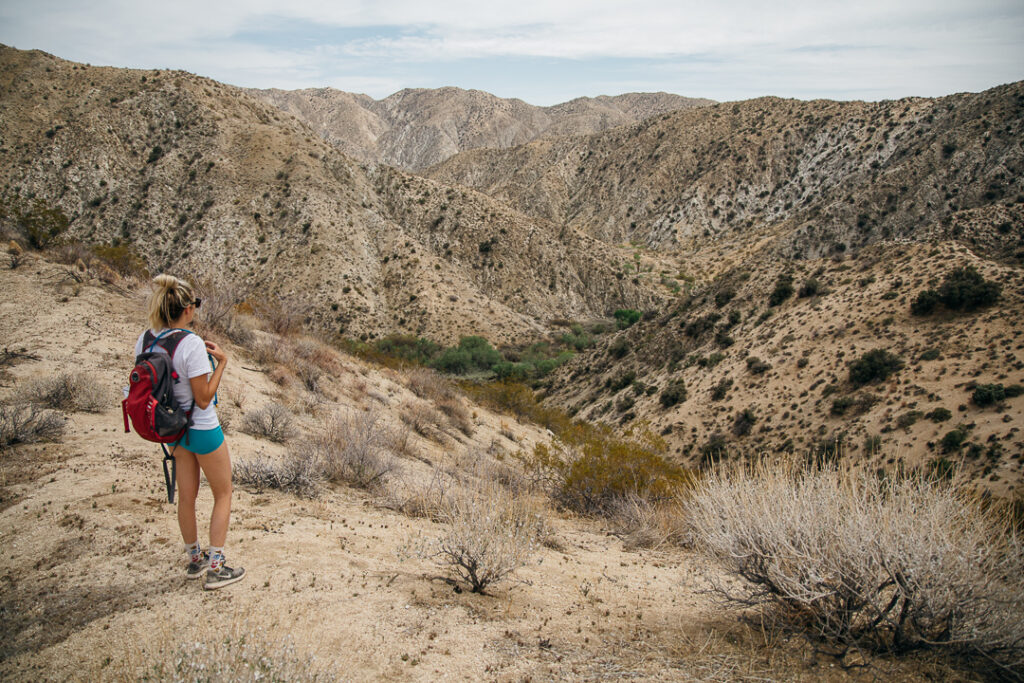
(642, 523)
(428, 384)
(423, 418)
(354, 448)
(28, 423)
(68, 391)
(273, 421)
(864, 563)
(299, 473)
(249, 647)
(490, 533)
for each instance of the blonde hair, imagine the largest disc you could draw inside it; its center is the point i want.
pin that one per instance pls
(169, 300)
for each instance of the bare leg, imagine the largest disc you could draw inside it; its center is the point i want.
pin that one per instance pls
(217, 468)
(187, 476)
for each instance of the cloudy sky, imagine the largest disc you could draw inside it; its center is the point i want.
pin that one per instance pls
(548, 51)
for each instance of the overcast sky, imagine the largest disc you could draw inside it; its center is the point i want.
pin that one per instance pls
(548, 51)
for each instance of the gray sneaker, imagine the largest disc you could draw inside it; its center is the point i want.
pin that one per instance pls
(195, 569)
(225, 576)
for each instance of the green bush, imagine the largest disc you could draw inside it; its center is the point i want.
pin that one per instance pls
(757, 366)
(963, 289)
(619, 347)
(925, 302)
(810, 287)
(720, 390)
(987, 394)
(590, 469)
(939, 415)
(783, 290)
(673, 394)
(929, 354)
(38, 222)
(473, 354)
(408, 347)
(876, 365)
(626, 317)
(954, 439)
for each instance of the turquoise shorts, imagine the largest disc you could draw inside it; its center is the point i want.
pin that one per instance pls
(201, 441)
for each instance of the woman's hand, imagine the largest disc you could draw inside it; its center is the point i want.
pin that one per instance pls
(217, 352)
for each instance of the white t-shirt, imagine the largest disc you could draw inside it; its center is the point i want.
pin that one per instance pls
(190, 360)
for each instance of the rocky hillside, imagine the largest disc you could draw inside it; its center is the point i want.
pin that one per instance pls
(823, 176)
(416, 128)
(201, 178)
(762, 359)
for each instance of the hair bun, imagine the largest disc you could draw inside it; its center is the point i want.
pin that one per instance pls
(165, 281)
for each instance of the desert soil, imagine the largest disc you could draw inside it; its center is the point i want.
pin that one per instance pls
(92, 583)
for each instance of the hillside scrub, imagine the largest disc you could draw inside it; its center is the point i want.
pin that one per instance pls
(963, 289)
(590, 469)
(490, 532)
(888, 564)
(875, 365)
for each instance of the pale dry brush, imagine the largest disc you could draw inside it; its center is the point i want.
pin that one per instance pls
(298, 472)
(273, 422)
(221, 301)
(356, 448)
(863, 563)
(68, 391)
(644, 523)
(241, 651)
(29, 423)
(489, 534)
(429, 384)
(423, 418)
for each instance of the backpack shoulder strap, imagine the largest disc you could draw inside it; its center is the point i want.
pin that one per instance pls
(173, 339)
(168, 340)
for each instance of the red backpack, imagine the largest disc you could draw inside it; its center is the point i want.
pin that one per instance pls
(150, 403)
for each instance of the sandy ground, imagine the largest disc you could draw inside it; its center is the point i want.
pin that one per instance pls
(92, 582)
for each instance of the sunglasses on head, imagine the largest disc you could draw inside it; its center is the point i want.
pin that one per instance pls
(197, 303)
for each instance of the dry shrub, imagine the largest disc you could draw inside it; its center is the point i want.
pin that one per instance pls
(457, 414)
(267, 351)
(590, 469)
(210, 650)
(68, 391)
(273, 421)
(299, 473)
(221, 310)
(859, 562)
(642, 523)
(354, 448)
(28, 424)
(422, 418)
(490, 533)
(422, 499)
(284, 317)
(519, 400)
(429, 384)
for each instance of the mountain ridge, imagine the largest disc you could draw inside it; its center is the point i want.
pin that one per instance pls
(419, 127)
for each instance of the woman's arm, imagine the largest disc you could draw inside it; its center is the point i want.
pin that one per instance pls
(203, 389)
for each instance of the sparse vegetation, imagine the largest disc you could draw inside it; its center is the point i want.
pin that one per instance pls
(67, 391)
(490, 533)
(874, 366)
(589, 468)
(883, 565)
(28, 423)
(356, 448)
(273, 422)
(963, 289)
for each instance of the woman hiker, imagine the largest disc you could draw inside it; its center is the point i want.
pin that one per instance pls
(172, 306)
